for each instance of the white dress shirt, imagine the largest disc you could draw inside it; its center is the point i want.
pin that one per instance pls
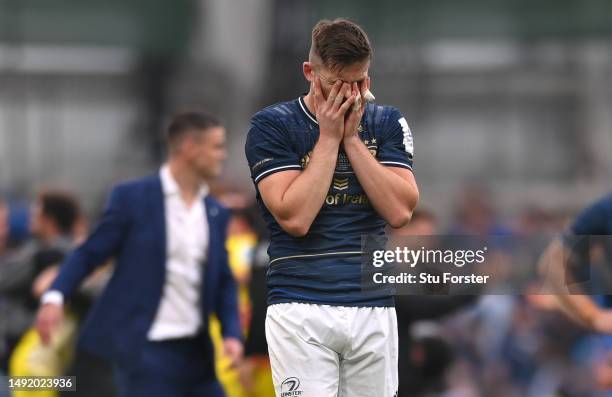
(179, 312)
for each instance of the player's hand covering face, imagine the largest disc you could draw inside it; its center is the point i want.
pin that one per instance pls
(330, 111)
(355, 73)
(353, 118)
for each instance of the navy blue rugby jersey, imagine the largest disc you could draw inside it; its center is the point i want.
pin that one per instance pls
(324, 267)
(595, 220)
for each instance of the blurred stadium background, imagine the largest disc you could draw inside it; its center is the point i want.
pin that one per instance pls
(510, 102)
(514, 95)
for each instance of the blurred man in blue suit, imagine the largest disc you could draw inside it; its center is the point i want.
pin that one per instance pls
(167, 235)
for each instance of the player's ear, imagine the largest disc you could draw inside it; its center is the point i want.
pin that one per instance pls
(308, 71)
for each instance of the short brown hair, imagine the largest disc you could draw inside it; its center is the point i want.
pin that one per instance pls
(340, 43)
(62, 207)
(188, 122)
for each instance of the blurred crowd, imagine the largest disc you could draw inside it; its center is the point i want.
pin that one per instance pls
(451, 346)
(497, 345)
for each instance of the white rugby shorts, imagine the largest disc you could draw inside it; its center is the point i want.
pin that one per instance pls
(332, 351)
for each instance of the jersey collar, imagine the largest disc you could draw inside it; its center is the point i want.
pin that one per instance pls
(306, 111)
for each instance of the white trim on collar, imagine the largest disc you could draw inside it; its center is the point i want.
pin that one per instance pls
(306, 112)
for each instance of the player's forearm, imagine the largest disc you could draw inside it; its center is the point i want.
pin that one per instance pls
(305, 196)
(393, 197)
(581, 308)
(552, 266)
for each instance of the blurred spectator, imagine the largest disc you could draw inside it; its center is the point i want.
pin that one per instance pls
(423, 359)
(53, 216)
(474, 214)
(56, 224)
(535, 221)
(240, 243)
(247, 245)
(19, 222)
(256, 373)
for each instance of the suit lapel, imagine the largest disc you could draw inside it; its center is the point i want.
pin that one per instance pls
(158, 222)
(212, 216)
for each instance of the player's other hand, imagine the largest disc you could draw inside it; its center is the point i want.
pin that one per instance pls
(602, 322)
(330, 111)
(353, 118)
(50, 316)
(233, 349)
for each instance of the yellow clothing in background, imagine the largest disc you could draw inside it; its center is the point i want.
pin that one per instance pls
(32, 358)
(240, 247)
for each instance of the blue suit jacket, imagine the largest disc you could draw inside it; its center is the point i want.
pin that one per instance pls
(132, 230)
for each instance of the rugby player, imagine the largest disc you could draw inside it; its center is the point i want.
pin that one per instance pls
(329, 167)
(596, 221)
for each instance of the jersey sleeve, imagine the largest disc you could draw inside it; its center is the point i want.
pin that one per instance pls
(396, 148)
(268, 148)
(592, 221)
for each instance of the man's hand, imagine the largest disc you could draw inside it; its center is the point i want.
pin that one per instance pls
(50, 316)
(330, 112)
(233, 349)
(245, 374)
(353, 119)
